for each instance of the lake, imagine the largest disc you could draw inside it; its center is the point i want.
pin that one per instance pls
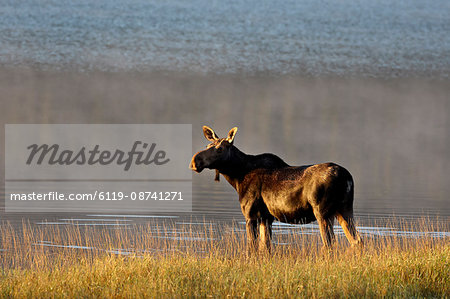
(360, 83)
(391, 135)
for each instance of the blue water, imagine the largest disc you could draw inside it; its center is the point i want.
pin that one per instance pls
(348, 37)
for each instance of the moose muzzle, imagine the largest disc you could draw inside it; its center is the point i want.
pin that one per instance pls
(197, 164)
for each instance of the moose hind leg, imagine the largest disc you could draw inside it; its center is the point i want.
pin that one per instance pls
(348, 226)
(252, 235)
(265, 235)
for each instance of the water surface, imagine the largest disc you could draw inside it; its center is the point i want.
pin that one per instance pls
(370, 38)
(296, 77)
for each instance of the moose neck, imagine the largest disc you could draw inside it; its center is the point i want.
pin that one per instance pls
(237, 166)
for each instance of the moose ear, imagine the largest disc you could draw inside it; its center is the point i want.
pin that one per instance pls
(210, 134)
(231, 135)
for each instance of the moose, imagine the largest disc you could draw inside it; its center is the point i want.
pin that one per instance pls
(270, 189)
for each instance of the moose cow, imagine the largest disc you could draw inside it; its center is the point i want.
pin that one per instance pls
(270, 189)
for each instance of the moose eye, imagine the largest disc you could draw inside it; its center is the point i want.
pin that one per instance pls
(219, 150)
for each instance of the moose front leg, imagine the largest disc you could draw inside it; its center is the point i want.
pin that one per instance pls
(252, 235)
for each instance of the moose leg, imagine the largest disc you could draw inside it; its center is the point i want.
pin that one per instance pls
(252, 235)
(348, 225)
(265, 234)
(326, 231)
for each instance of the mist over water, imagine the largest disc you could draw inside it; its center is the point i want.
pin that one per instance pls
(393, 136)
(366, 38)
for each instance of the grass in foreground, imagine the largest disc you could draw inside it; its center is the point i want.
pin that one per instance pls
(214, 265)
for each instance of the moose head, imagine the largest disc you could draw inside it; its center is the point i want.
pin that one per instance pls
(216, 153)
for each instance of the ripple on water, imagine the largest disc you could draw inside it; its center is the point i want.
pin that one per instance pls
(376, 38)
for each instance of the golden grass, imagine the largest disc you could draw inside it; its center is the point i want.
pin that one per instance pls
(210, 260)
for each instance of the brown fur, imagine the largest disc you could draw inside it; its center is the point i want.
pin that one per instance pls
(270, 189)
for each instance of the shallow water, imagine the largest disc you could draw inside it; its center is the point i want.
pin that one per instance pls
(370, 38)
(185, 231)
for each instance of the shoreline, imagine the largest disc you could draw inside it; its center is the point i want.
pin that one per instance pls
(147, 262)
(389, 75)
